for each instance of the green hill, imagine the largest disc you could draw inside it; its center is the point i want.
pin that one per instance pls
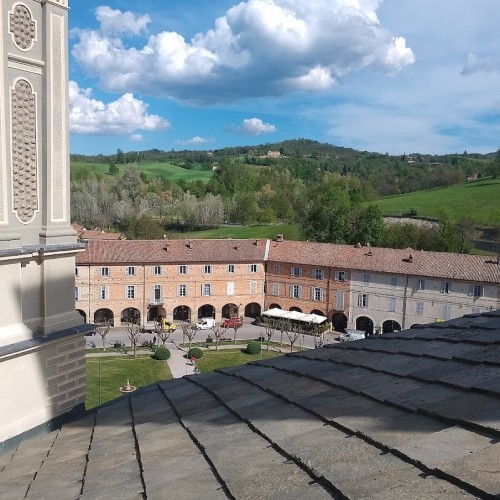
(477, 200)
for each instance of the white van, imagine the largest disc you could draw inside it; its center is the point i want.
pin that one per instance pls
(205, 324)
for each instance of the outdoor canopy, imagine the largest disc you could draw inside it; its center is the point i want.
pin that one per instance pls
(275, 312)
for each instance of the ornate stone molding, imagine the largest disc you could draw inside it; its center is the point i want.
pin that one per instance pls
(24, 151)
(22, 27)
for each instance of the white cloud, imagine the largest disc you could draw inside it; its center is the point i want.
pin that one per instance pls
(255, 126)
(258, 48)
(123, 116)
(196, 141)
(136, 138)
(476, 64)
(115, 22)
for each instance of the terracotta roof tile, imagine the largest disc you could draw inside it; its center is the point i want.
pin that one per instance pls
(172, 251)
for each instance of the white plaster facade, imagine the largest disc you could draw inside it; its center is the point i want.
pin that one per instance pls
(39, 328)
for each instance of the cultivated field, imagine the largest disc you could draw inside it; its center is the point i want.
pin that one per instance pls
(478, 200)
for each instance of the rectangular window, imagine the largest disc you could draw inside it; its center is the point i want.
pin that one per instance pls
(77, 272)
(182, 269)
(182, 290)
(340, 275)
(253, 287)
(392, 304)
(445, 287)
(230, 268)
(446, 312)
(295, 291)
(296, 271)
(276, 288)
(421, 284)
(340, 300)
(394, 281)
(104, 293)
(105, 271)
(277, 269)
(476, 290)
(362, 300)
(316, 293)
(252, 268)
(156, 295)
(366, 279)
(156, 270)
(78, 293)
(207, 269)
(230, 287)
(130, 271)
(318, 274)
(419, 309)
(206, 289)
(130, 292)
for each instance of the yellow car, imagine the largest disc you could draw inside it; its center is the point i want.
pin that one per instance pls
(168, 326)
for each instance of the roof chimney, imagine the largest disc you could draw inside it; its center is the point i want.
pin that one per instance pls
(190, 244)
(279, 237)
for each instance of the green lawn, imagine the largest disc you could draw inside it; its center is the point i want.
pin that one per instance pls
(150, 168)
(115, 371)
(212, 360)
(477, 200)
(289, 231)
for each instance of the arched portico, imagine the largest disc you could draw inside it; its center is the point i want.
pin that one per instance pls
(102, 315)
(253, 310)
(182, 313)
(390, 326)
(156, 312)
(274, 306)
(131, 314)
(365, 324)
(83, 314)
(295, 308)
(318, 312)
(339, 322)
(206, 311)
(230, 310)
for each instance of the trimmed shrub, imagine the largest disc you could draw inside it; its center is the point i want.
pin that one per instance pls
(195, 352)
(253, 347)
(162, 353)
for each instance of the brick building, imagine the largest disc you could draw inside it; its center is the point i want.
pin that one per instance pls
(182, 280)
(370, 289)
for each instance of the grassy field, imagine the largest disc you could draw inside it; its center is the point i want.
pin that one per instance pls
(477, 200)
(115, 371)
(290, 232)
(212, 360)
(150, 168)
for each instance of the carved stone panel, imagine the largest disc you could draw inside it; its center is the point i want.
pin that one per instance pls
(24, 151)
(22, 27)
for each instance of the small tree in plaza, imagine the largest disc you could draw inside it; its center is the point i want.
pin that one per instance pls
(293, 332)
(219, 332)
(102, 329)
(270, 329)
(134, 333)
(162, 334)
(235, 327)
(189, 330)
(319, 336)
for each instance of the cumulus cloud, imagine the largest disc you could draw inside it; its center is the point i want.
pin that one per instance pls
(255, 126)
(196, 141)
(136, 138)
(258, 48)
(123, 116)
(115, 22)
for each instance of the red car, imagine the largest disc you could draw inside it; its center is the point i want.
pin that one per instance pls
(232, 322)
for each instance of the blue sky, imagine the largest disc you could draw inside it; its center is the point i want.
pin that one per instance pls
(392, 76)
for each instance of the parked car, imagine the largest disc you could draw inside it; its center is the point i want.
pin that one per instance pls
(168, 326)
(205, 324)
(352, 335)
(235, 321)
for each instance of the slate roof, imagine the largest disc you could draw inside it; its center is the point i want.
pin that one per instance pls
(388, 260)
(408, 415)
(172, 251)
